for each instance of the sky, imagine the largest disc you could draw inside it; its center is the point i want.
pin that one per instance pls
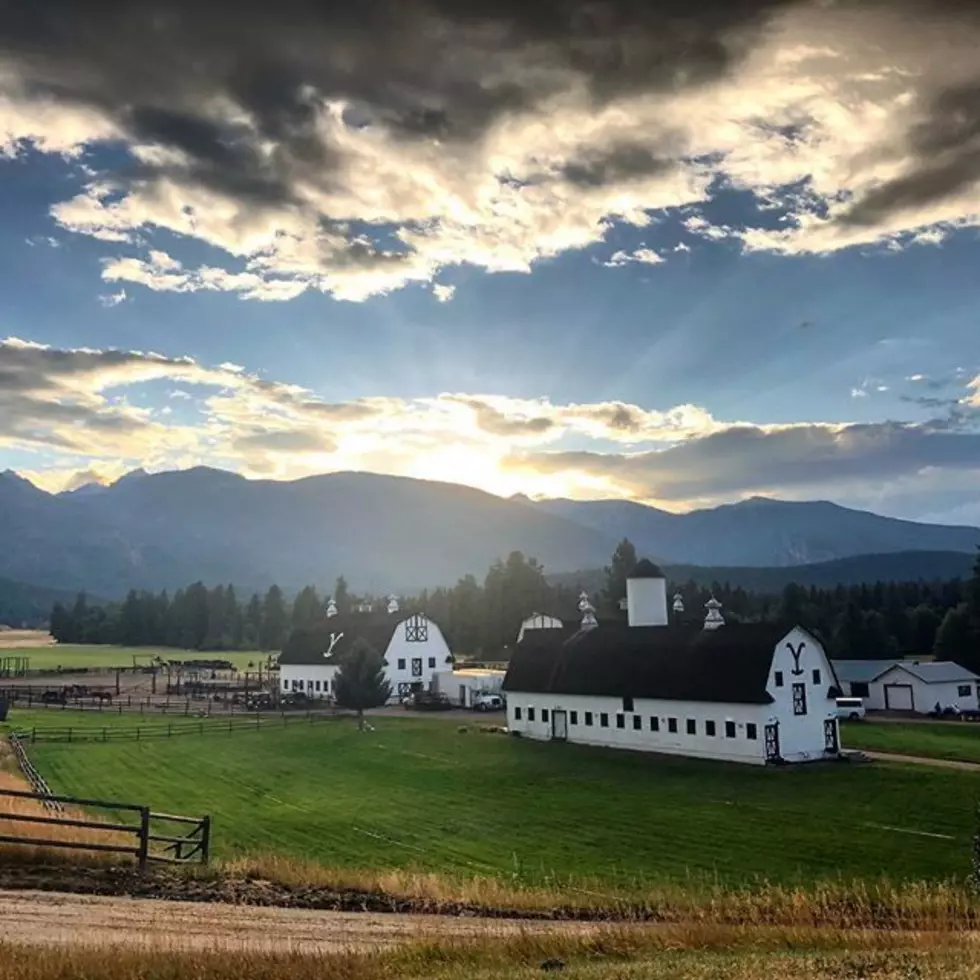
(683, 253)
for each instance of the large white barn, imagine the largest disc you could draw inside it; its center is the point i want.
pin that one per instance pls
(756, 693)
(413, 648)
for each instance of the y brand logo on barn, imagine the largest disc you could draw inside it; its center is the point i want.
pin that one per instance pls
(335, 638)
(797, 653)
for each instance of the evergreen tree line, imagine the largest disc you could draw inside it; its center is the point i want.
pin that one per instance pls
(482, 619)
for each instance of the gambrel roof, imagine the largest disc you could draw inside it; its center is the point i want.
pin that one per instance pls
(308, 645)
(675, 663)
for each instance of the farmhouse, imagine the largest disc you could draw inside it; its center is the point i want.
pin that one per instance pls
(907, 685)
(413, 648)
(745, 693)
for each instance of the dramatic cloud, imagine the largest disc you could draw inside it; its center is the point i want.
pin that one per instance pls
(83, 412)
(647, 256)
(356, 148)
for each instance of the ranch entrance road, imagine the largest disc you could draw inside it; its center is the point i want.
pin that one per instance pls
(921, 760)
(55, 919)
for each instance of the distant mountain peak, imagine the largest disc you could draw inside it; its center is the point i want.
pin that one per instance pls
(131, 477)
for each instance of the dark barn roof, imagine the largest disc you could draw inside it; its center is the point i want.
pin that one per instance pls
(307, 645)
(675, 663)
(646, 569)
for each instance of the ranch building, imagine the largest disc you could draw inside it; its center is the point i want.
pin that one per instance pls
(909, 685)
(464, 684)
(413, 648)
(758, 693)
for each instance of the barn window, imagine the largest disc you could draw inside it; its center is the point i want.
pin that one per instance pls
(627, 704)
(300, 685)
(709, 728)
(729, 729)
(860, 689)
(318, 685)
(401, 663)
(417, 630)
(963, 690)
(654, 724)
(572, 717)
(799, 699)
(751, 732)
(517, 714)
(416, 666)
(285, 685)
(637, 723)
(588, 719)
(603, 720)
(816, 676)
(779, 678)
(544, 714)
(692, 726)
(432, 663)
(620, 721)
(672, 725)
(530, 714)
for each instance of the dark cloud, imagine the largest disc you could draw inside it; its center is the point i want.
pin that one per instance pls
(285, 441)
(748, 459)
(495, 422)
(945, 150)
(420, 68)
(626, 161)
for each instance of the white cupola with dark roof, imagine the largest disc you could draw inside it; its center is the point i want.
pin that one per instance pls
(646, 595)
(331, 608)
(714, 619)
(585, 607)
(678, 606)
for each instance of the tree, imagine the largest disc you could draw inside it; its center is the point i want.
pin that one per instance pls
(131, 627)
(306, 608)
(341, 595)
(955, 639)
(618, 571)
(253, 621)
(273, 632)
(60, 623)
(361, 681)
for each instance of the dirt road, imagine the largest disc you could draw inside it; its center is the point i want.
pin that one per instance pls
(921, 760)
(51, 918)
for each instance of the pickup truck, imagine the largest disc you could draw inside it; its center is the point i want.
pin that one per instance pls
(487, 702)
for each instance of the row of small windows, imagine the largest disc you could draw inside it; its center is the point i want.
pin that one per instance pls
(690, 724)
(416, 663)
(314, 687)
(778, 677)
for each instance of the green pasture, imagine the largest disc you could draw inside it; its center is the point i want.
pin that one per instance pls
(69, 655)
(418, 793)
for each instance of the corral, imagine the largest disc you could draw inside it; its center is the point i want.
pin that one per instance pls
(423, 794)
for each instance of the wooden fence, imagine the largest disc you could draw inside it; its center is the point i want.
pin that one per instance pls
(90, 733)
(193, 845)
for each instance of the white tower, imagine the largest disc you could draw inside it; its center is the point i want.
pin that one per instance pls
(589, 622)
(331, 608)
(646, 595)
(678, 605)
(392, 605)
(714, 619)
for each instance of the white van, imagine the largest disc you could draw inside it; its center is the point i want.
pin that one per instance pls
(850, 708)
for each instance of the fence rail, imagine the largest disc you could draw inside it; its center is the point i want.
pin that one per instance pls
(195, 844)
(89, 733)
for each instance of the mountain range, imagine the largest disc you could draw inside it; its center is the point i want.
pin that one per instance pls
(389, 533)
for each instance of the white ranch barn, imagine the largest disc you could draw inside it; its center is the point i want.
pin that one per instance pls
(413, 648)
(904, 685)
(745, 693)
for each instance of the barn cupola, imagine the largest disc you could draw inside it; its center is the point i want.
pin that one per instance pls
(646, 595)
(678, 605)
(589, 622)
(714, 618)
(392, 605)
(331, 608)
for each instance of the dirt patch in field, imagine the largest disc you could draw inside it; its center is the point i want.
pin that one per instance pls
(45, 919)
(10, 639)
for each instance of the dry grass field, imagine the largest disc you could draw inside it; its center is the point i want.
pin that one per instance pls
(26, 640)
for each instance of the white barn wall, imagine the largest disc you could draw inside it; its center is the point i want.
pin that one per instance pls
(461, 686)
(801, 737)
(737, 749)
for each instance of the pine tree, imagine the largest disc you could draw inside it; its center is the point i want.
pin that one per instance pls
(617, 572)
(253, 621)
(60, 623)
(955, 639)
(360, 683)
(306, 608)
(79, 620)
(131, 630)
(272, 635)
(341, 595)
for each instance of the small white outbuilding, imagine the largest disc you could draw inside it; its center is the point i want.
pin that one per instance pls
(462, 685)
(909, 685)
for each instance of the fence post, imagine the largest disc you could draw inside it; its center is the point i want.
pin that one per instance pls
(103, 734)
(69, 735)
(206, 840)
(229, 725)
(137, 733)
(33, 734)
(170, 729)
(200, 728)
(144, 838)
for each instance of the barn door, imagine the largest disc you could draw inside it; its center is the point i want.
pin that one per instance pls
(559, 725)
(831, 742)
(772, 742)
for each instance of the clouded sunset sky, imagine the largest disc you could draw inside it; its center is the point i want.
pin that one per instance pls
(683, 252)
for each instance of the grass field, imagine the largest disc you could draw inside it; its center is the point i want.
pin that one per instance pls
(67, 655)
(934, 740)
(420, 794)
